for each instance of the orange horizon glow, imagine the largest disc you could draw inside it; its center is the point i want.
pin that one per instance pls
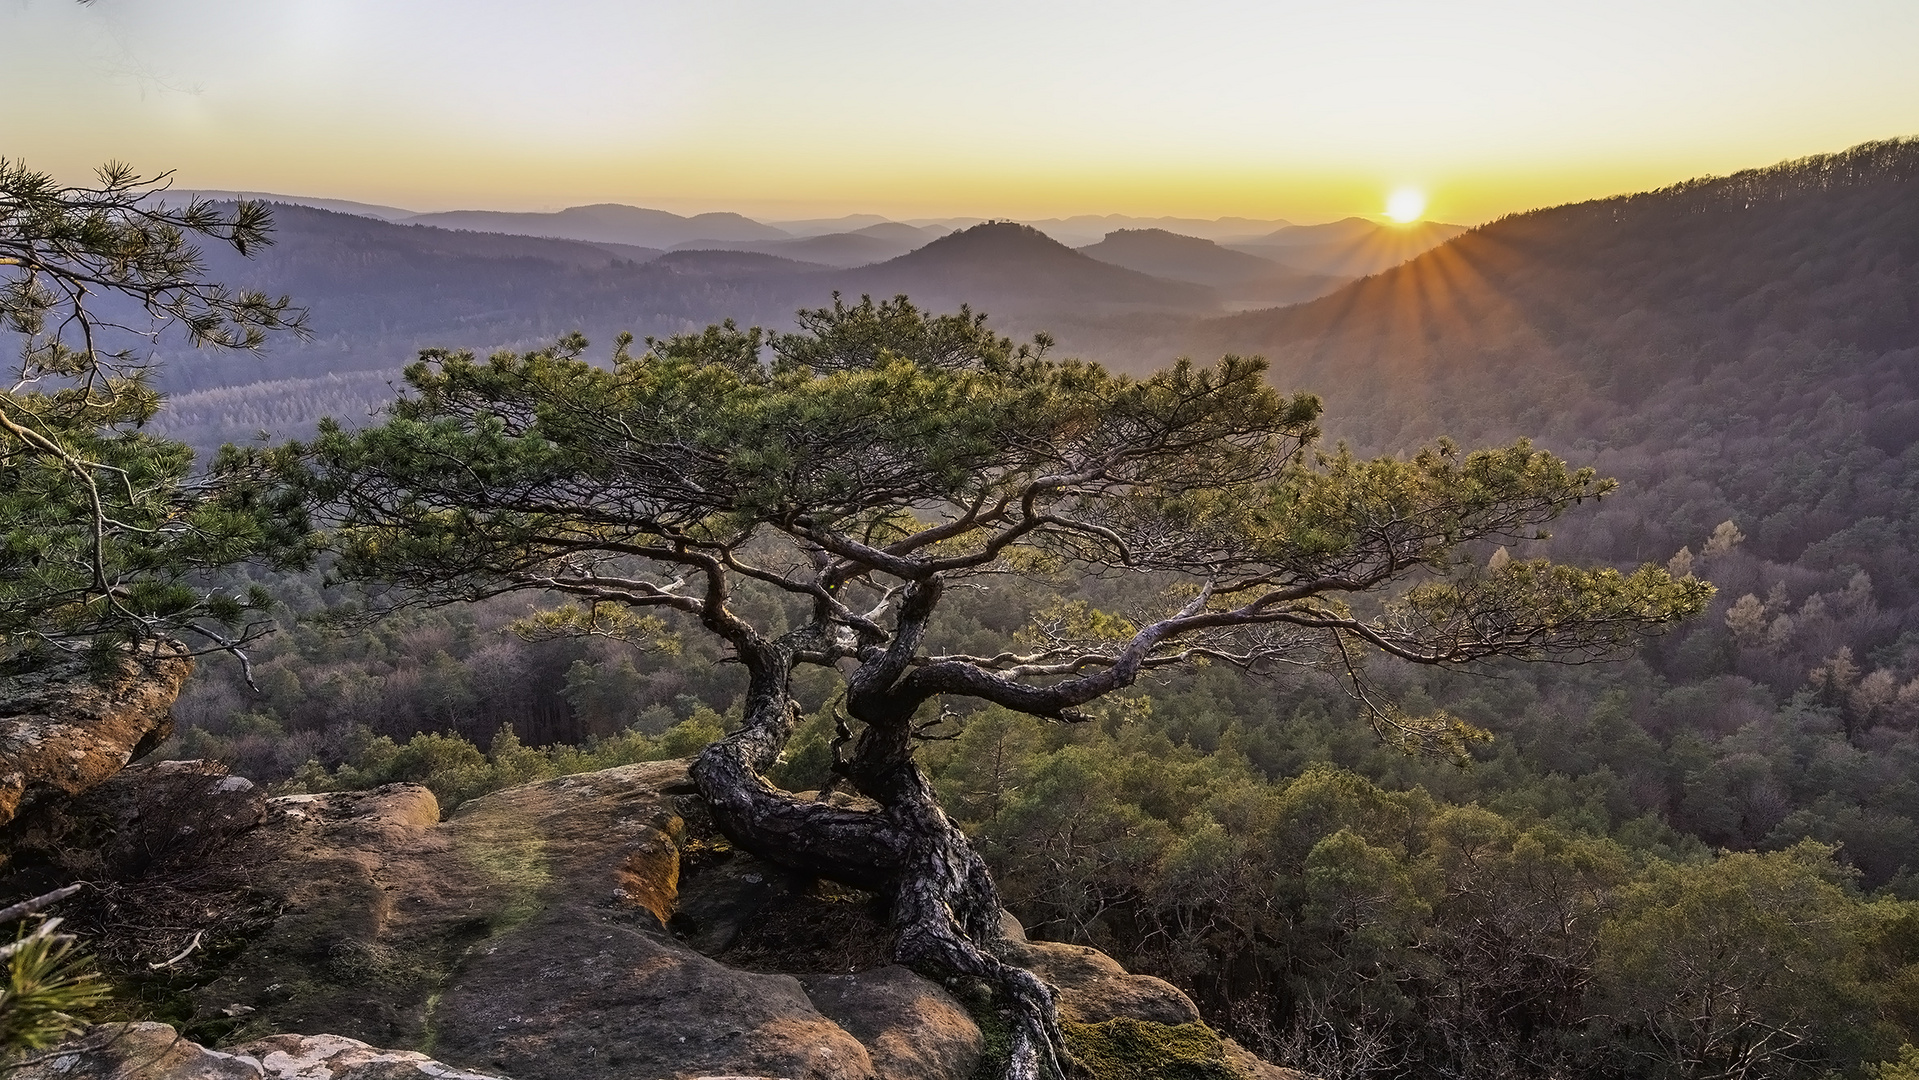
(1034, 109)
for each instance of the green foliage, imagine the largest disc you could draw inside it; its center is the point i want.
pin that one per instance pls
(1304, 913)
(102, 528)
(1906, 1067)
(886, 445)
(843, 339)
(48, 988)
(456, 771)
(1744, 959)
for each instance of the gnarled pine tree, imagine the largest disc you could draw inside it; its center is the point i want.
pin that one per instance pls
(870, 463)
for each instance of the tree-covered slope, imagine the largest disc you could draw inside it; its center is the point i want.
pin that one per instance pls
(1744, 348)
(1610, 304)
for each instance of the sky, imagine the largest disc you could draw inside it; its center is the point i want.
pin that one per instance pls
(1307, 111)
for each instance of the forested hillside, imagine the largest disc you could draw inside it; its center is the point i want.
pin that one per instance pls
(1743, 354)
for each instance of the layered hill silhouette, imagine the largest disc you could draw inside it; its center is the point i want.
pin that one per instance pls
(1350, 247)
(1012, 267)
(863, 246)
(614, 222)
(379, 291)
(1083, 229)
(1235, 275)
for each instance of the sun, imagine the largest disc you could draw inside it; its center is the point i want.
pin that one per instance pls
(1406, 205)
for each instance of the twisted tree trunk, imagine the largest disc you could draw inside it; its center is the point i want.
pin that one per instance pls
(944, 903)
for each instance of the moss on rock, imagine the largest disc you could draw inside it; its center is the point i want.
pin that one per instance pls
(1127, 1049)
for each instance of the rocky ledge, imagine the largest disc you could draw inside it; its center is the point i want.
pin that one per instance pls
(594, 926)
(157, 1052)
(66, 726)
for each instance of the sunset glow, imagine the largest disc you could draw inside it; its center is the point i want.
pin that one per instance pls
(991, 108)
(1406, 205)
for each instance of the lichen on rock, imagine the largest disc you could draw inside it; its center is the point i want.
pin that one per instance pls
(67, 726)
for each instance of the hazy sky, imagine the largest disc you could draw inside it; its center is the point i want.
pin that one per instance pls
(1020, 108)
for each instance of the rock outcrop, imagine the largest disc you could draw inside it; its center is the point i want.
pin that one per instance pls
(158, 1052)
(65, 728)
(595, 926)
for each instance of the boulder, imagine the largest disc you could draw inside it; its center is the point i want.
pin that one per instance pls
(1094, 988)
(65, 728)
(136, 1052)
(525, 934)
(330, 1057)
(1255, 1067)
(911, 1028)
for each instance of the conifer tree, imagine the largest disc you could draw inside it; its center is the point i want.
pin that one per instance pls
(883, 457)
(102, 525)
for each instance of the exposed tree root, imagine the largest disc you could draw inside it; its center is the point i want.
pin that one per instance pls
(945, 906)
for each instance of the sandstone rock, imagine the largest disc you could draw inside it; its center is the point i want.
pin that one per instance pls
(1126, 1049)
(330, 1057)
(543, 932)
(1093, 987)
(911, 1028)
(580, 998)
(1256, 1067)
(137, 1052)
(524, 934)
(63, 731)
(158, 1052)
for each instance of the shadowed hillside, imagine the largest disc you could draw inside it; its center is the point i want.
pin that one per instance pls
(1612, 302)
(1740, 349)
(379, 292)
(1234, 274)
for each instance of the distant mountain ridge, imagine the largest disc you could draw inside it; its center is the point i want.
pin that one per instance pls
(1017, 267)
(859, 247)
(616, 222)
(1351, 247)
(342, 206)
(1235, 275)
(640, 226)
